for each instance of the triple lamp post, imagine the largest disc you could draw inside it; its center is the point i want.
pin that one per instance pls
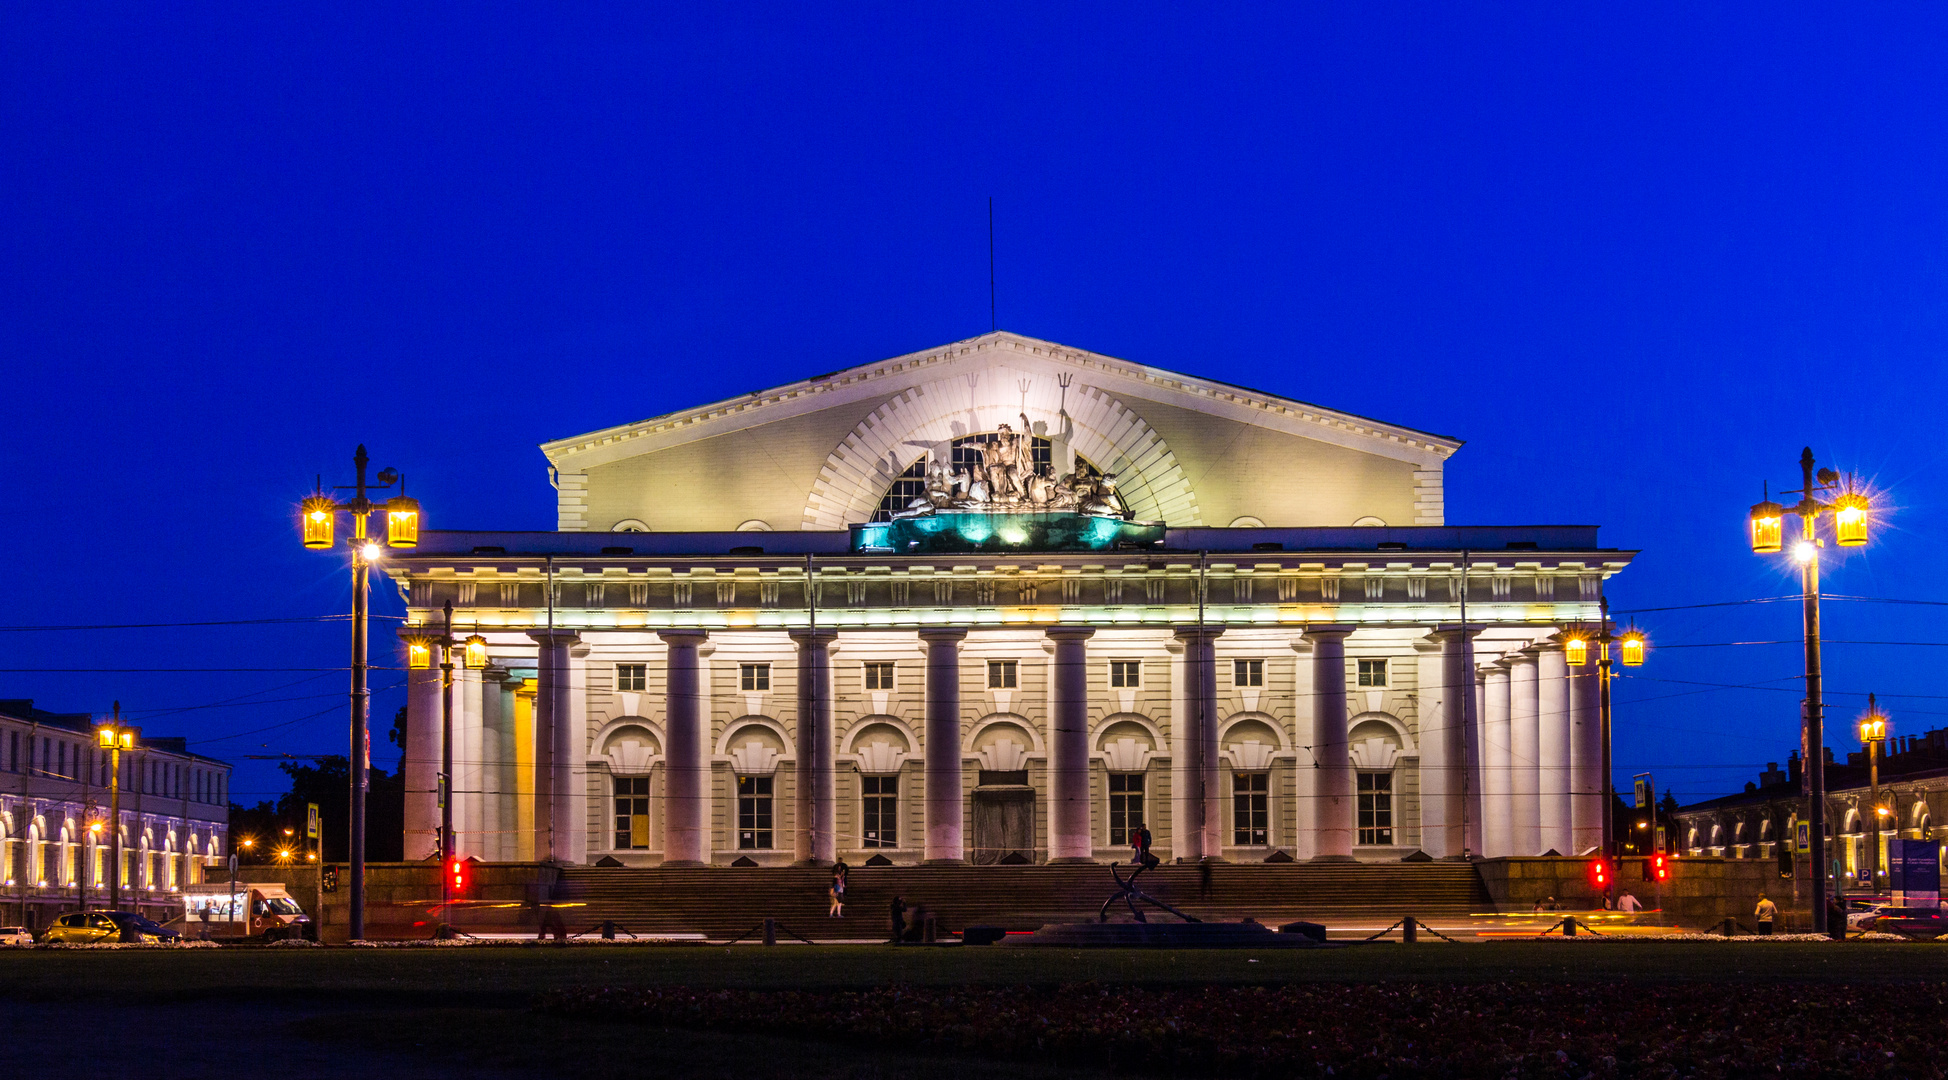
(1848, 508)
(319, 517)
(114, 737)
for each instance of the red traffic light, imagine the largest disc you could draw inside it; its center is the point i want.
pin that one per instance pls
(1600, 874)
(459, 875)
(1660, 867)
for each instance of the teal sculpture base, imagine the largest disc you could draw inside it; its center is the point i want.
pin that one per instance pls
(964, 532)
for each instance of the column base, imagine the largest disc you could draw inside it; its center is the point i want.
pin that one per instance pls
(681, 864)
(1332, 858)
(1071, 860)
(943, 862)
(806, 863)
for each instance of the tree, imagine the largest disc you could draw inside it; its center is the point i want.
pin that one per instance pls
(327, 782)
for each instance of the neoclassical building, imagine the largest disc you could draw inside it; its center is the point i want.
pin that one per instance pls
(1003, 601)
(54, 816)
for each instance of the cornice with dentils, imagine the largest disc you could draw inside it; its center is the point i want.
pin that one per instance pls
(810, 395)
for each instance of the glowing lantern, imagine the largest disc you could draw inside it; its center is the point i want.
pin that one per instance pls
(1633, 648)
(1850, 520)
(1767, 525)
(1873, 728)
(318, 517)
(419, 654)
(1577, 651)
(476, 652)
(402, 522)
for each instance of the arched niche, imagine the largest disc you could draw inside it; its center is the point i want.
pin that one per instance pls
(1003, 742)
(755, 745)
(1127, 741)
(1251, 741)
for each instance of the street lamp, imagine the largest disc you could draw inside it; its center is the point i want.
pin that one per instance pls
(115, 737)
(317, 519)
(1873, 732)
(1849, 509)
(1631, 645)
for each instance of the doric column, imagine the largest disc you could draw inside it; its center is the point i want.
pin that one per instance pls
(685, 761)
(1585, 758)
(1552, 742)
(489, 771)
(558, 807)
(1069, 836)
(1445, 689)
(941, 780)
(1524, 757)
(1202, 831)
(468, 739)
(1333, 787)
(814, 821)
(420, 762)
(1497, 802)
(510, 769)
(1305, 773)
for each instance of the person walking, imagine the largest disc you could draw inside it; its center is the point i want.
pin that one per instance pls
(1629, 904)
(837, 892)
(1765, 913)
(899, 919)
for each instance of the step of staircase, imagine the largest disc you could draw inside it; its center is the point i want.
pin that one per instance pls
(725, 901)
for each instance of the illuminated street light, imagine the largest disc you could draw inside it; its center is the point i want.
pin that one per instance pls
(1630, 646)
(1850, 510)
(402, 518)
(115, 737)
(1873, 732)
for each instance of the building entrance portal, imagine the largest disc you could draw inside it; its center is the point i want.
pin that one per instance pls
(1004, 819)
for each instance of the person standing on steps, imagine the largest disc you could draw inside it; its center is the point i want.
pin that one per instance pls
(899, 919)
(837, 889)
(1140, 841)
(1766, 913)
(1204, 878)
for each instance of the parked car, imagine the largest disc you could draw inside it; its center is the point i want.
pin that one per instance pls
(1911, 922)
(93, 927)
(16, 935)
(1861, 911)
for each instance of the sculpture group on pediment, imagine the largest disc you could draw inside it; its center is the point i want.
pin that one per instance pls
(1003, 477)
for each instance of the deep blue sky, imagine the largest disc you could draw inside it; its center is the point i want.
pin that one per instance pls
(1637, 260)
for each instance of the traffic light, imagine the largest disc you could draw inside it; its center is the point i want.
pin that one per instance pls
(331, 878)
(1600, 875)
(1660, 867)
(459, 876)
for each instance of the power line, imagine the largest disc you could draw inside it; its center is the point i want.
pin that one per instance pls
(178, 625)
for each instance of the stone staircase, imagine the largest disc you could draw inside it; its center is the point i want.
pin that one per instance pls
(726, 901)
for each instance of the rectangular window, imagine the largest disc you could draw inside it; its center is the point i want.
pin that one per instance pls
(632, 812)
(880, 822)
(1125, 806)
(1376, 808)
(1001, 674)
(1250, 817)
(1247, 673)
(1125, 674)
(632, 678)
(754, 676)
(1373, 672)
(879, 675)
(754, 811)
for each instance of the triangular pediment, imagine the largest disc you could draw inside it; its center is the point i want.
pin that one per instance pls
(885, 377)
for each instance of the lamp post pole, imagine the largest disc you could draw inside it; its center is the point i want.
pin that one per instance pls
(1631, 645)
(1873, 731)
(402, 531)
(114, 740)
(446, 764)
(1849, 510)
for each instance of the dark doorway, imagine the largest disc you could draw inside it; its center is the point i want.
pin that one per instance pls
(1004, 819)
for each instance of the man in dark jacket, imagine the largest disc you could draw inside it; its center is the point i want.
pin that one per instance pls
(899, 919)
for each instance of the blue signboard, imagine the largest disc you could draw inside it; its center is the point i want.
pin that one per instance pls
(1914, 870)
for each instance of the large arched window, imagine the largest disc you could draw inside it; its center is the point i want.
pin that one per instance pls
(912, 484)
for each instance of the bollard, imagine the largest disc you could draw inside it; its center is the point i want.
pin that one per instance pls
(770, 930)
(1408, 931)
(1569, 926)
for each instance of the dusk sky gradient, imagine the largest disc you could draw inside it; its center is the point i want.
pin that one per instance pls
(1637, 258)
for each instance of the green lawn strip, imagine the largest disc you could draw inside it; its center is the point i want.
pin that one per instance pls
(510, 977)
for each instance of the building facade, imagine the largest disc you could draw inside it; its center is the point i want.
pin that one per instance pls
(1756, 822)
(1005, 601)
(54, 815)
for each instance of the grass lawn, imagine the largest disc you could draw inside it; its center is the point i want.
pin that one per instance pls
(467, 1011)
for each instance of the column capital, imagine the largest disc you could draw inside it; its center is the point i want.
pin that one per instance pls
(1070, 633)
(1334, 630)
(1190, 633)
(943, 634)
(555, 638)
(1450, 631)
(688, 637)
(813, 637)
